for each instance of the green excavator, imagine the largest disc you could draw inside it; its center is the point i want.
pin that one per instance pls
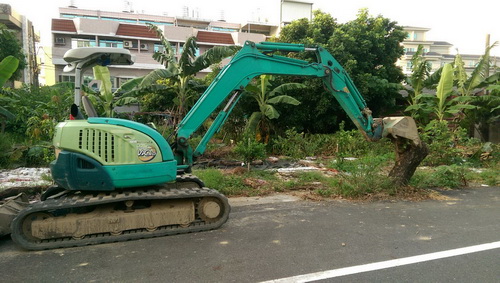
(118, 180)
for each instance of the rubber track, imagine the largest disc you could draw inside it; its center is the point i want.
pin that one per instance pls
(82, 200)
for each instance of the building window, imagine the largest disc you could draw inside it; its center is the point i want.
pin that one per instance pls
(160, 48)
(78, 16)
(78, 42)
(196, 54)
(120, 81)
(155, 23)
(111, 43)
(119, 20)
(224, 29)
(66, 78)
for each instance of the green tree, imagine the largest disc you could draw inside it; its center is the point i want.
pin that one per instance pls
(179, 75)
(314, 32)
(368, 48)
(259, 122)
(10, 45)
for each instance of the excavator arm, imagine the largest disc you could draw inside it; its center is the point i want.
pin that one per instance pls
(255, 59)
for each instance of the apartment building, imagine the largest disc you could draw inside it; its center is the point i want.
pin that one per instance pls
(87, 28)
(28, 38)
(437, 53)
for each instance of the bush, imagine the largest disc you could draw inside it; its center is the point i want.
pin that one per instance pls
(444, 176)
(250, 150)
(361, 176)
(444, 144)
(6, 145)
(341, 144)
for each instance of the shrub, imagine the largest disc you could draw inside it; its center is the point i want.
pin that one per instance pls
(444, 176)
(362, 176)
(6, 144)
(250, 150)
(444, 144)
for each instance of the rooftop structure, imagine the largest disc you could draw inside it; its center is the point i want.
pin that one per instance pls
(86, 28)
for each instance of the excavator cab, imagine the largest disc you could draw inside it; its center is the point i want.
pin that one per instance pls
(80, 59)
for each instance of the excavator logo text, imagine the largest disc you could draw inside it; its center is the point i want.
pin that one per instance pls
(146, 153)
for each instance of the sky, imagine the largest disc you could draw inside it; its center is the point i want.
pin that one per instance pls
(461, 23)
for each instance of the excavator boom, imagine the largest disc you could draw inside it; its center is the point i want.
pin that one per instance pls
(255, 59)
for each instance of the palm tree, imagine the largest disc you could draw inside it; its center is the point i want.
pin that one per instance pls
(259, 122)
(179, 75)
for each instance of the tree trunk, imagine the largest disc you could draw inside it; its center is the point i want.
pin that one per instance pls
(408, 157)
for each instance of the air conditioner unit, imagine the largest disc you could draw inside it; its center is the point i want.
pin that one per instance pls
(127, 44)
(59, 41)
(144, 46)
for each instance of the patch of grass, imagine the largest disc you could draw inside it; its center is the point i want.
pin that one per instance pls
(490, 177)
(226, 184)
(452, 177)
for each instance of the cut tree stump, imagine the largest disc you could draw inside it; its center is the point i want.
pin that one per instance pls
(408, 157)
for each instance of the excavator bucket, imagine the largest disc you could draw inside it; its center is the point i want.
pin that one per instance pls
(9, 208)
(401, 127)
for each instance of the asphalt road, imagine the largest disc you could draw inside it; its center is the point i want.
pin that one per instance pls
(278, 239)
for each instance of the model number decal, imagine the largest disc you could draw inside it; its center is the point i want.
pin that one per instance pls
(146, 153)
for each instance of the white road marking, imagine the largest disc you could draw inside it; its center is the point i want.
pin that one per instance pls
(386, 264)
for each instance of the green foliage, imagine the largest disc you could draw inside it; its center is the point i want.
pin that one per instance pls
(444, 176)
(361, 177)
(341, 144)
(40, 128)
(317, 31)
(443, 143)
(292, 144)
(6, 145)
(217, 180)
(39, 155)
(106, 100)
(259, 122)
(179, 75)
(417, 80)
(8, 67)
(367, 47)
(10, 46)
(250, 150)
(35, 111)
(46, 103)
(490, 177)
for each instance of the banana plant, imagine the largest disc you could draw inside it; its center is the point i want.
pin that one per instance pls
(8, 67)
(418, 79)
(466, 84)
(266, 99)
(445, 105)
(178, 75)
(106, 100)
